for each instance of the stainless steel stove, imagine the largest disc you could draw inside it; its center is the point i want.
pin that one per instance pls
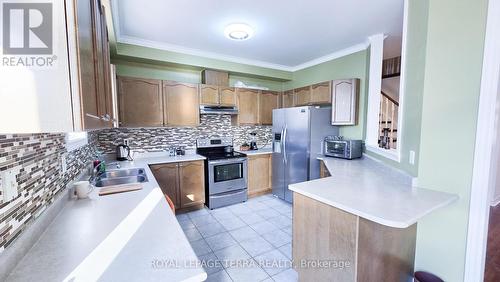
(225, 172)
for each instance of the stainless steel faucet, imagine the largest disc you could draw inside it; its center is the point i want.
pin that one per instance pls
(95, 172)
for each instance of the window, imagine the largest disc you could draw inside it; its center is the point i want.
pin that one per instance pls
(76, 140)
(385, 93)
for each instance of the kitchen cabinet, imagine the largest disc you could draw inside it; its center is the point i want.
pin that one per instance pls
(214, 77)
(140, 102)
(183, 182)
(302, 96)
(321, 93)
(94, 64)
(180, 104)
(74, 93)
(167, 177)
(248, 106)
(227, 96)
(288, 100)
(209, 95)
(345, 94)
(259, 174)
(213, 95)
(191, 183)
(324, 233)
(269, 100)
(323, 170)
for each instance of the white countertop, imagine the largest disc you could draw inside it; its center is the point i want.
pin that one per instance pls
(114, 238)
(257, 152)
(374, 191)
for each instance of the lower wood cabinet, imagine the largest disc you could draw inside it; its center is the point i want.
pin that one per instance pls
(183, 183)
(167, 176)
(191, 183)
(368, 251)
(323, 170)
(259, 174)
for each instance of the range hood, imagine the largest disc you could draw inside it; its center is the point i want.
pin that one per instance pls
(218, 110)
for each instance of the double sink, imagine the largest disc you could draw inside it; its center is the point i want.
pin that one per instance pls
(121, 176)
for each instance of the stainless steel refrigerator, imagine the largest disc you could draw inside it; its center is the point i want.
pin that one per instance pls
(298, 135)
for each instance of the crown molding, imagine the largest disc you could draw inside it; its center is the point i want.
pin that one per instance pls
(210, 55)
(332, 56)
(199, 53)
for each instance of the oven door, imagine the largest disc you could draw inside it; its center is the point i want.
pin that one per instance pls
(227, 175)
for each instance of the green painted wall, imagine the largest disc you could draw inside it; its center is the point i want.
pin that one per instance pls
(414, 87)
(189, 75)
(453, 62)
(350, 66)
(147, 55)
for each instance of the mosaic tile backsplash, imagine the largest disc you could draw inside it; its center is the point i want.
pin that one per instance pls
(36, 162)
(162, 138)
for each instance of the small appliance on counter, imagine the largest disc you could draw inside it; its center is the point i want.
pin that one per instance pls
(253, 141)
(123, 152)
(338, 147)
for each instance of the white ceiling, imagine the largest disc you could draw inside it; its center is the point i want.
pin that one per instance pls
(288, 33)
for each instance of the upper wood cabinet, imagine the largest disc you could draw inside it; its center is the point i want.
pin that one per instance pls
(183, 183)
(180, 104)
(288, 100)
(209, 94)
(248, 106)
(214, 95)
(259, 173)
(302, 96)
(140, 102)
(269, 100)
(191, 183)
(345, 101)
(94, 65)
(227, 96)
(321, 93)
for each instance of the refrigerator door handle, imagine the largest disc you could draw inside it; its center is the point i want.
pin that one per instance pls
(284, 144)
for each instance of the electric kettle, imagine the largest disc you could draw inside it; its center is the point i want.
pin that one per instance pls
(122, 152)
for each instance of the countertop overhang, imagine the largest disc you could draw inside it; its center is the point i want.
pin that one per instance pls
(374, 191)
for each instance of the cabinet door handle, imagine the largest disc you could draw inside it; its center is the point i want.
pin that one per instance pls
(92, 116)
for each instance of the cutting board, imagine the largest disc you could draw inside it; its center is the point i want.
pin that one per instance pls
(120, 189)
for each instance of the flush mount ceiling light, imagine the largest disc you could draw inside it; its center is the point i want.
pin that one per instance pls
(238, 31)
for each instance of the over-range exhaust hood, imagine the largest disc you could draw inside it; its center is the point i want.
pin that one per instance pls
(218, 110)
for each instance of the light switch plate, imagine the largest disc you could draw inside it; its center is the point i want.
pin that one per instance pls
(9, 185)
(412, 158)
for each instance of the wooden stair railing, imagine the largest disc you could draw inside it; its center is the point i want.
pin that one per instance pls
(388, 122)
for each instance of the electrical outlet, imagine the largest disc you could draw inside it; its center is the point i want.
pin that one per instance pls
(412, 158)
(9, 185)
(64, 163)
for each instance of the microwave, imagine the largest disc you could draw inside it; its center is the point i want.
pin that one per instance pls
(335, 146)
